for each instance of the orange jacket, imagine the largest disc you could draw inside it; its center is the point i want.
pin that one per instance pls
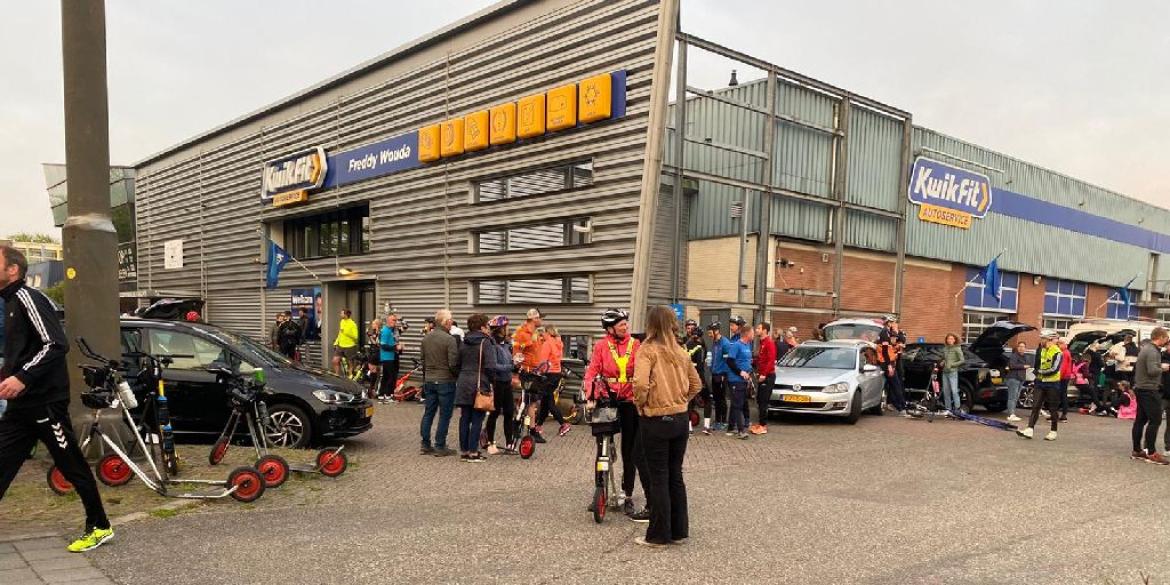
(552, 349)
(602, 365)
(526, 344)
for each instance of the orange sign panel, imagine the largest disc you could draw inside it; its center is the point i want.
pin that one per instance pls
(451, 138)
(503, 122)
(475, 131)
(428, 143)
(595, 98)
(530, 116)
(562, 107)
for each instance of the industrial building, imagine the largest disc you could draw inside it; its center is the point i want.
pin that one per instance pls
(529, 155)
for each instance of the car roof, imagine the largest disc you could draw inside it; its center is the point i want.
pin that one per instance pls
(841, 343)
(854, 321)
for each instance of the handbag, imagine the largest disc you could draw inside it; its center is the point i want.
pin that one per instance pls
(484, 402)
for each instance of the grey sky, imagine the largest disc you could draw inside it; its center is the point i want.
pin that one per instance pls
(1077, 85)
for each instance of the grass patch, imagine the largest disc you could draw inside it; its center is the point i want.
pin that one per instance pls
(165, 513)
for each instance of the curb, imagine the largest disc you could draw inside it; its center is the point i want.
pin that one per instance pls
(5, 538)
(135, 516)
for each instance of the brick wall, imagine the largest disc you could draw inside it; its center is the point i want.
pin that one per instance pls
(1030, 308)
(930, 308)
(711, 266)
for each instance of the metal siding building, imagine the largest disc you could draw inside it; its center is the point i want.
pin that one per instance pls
(205, 191)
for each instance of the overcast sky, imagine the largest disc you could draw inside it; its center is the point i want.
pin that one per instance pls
(1079, 86)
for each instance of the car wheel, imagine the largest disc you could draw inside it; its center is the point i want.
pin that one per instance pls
(966, 397)
(854, 409)
(1027, 397)
(288, 426)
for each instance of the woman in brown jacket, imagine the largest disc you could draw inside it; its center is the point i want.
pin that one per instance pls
(665, 381)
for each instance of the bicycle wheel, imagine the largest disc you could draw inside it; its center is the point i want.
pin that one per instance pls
(600, 502)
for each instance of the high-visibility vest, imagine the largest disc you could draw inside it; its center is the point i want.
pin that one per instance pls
(1048, 357)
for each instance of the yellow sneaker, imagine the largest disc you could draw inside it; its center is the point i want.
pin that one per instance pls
(92, 540)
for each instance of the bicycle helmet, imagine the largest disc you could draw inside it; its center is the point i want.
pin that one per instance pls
(498, 322)
(714, 326)
(891, 318)
(691, 323)
(612, 317)
(737, 320)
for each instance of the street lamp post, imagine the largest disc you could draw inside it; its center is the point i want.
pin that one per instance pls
(90, 241)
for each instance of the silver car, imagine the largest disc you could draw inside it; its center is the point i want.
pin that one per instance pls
(831, 378)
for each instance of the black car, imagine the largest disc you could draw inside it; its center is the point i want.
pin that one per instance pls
(985, 360)
(306, 405)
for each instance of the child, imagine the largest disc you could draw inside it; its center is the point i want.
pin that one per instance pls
(1125, 402)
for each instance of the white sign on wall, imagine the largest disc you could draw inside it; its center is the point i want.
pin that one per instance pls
(173, 254)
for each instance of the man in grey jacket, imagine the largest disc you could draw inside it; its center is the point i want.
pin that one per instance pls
(440, 362)
(1147, 378)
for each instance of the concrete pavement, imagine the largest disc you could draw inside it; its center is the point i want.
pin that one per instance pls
(887, 501)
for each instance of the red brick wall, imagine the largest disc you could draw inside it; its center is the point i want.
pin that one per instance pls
(1030, 308)
(930, 308)
(868, 285)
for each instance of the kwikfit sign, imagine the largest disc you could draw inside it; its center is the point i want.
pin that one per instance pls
(948, 195)
(300, 171)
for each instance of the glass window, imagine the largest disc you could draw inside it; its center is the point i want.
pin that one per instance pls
(976, 295)
(975, 323)
(574, 175)
(1064, 298)
(343, 232)
(1115, 307)
(531, 237)
(547, 290)
(131, 341)
(187, 351)
(836, 358)
(1057, 324)
(577, 346)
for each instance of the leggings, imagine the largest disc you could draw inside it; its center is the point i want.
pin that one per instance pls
(1050, 392)
(506, 407)
(719, 391)
(389, 377)
(633, 459)
(19, 432)
(1149, 418)
(547, 405)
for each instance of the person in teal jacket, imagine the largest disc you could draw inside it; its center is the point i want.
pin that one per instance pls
(388, 346)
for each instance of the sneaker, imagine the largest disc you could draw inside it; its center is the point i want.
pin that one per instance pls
(763, 430)
(720, 426)
(683, 540)
(730, 433)
(1157, 459)
(1013, 418)
(642, 541)
(1025, 433)
(444, 452)
(1063, 418)
(537, 437)
(706, 431)
(1051, 436)
(628, 507)
(906, 414)
(475, 458)
(492, 449)
(564, 430)
(1138, 455)
(742, 436)
(1044, 413)
(484, 439)
(642, 516)
(426, 450)
(754, 429)
(93, 539)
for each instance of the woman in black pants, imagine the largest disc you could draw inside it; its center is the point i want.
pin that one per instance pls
(502, 391)
(664, 384)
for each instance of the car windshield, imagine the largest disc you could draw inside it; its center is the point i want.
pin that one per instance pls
(253, 352)
(866, 331)
(836, 358)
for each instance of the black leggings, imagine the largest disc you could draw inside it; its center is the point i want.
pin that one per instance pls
(50, 424)
(633, 459)
(389, 378)
(547, 405)
(1149, 418)
(506, 407)
(719, 392)
(764, 397)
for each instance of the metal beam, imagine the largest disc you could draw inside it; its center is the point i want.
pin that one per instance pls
(680, 130)
(711, 95)
(764, 237)
(727, 147)
(840, 188)
(903, 208)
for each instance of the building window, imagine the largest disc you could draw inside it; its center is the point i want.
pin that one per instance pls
(344, 232)
(529, 183)
(975, 323)
(577, 347)
(976, 295)
(573, 232)
(532, 291)
(1115, 308)
(1058, 324)
(1064, 298)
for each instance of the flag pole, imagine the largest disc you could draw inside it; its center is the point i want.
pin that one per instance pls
(313, 274)
(977, 275)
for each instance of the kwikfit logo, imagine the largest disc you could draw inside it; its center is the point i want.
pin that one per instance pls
(935, 183)
(304, 170)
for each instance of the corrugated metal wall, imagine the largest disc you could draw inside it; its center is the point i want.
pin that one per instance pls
(415, 215)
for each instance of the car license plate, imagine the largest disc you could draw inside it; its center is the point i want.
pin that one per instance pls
(796, 398)
(603, 466)
(369, 411)
(997, 381)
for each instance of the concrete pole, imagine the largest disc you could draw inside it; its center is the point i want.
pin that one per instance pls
(90, 241)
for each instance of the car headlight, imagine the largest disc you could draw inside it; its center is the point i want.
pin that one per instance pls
(332, 396)
(995, 373)
(836, 388)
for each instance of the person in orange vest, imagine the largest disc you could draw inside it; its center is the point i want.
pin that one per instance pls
(526, 354)
(551, 351)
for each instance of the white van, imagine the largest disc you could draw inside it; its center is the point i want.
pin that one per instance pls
(1106, 332)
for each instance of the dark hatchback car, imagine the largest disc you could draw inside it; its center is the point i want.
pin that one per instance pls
(977, 377)
(306, 405)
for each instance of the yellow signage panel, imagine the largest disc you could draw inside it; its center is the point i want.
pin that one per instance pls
(503, 121)
(475, 131)
(290, 198)
(530, 116)
(428, 143)
(595, 98)
(562, 108)
(944, 216)
(451, 138)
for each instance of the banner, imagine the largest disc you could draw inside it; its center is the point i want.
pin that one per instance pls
(309, 301)
(948, 195)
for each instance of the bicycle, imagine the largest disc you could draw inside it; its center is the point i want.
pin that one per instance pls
(603, 423)
(526, 408)
(928, 405)
(106, 390)
(248, 405)
(401, 392)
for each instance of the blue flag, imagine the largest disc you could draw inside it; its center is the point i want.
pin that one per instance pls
(992, 282)
(1123, 294)
(277, 258)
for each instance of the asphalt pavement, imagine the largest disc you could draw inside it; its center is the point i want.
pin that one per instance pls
(888, 501)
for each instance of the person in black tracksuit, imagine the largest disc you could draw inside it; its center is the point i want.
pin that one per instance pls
(35, 382)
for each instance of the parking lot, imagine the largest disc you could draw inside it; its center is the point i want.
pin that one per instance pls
(889, 500)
